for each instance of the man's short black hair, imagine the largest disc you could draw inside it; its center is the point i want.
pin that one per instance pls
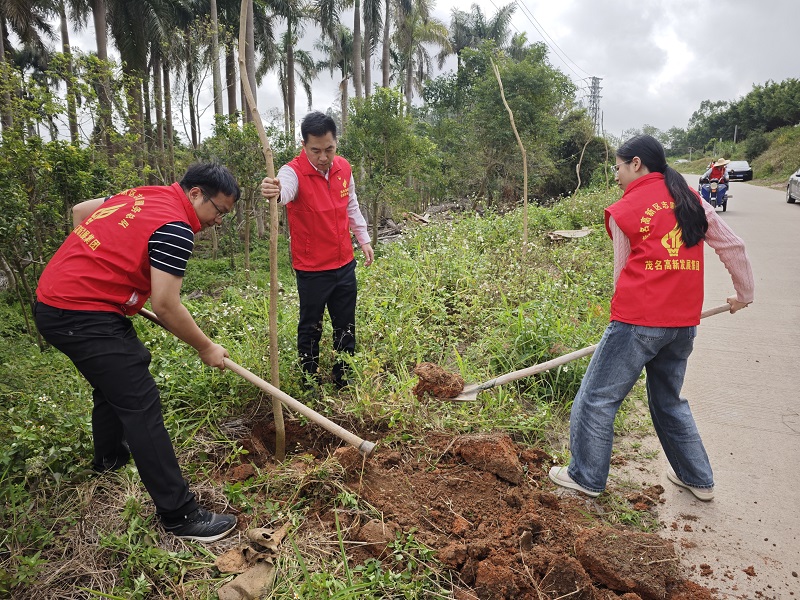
(212, 178)
(317, 124)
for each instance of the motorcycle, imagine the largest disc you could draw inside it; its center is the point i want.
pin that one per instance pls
(709, 189)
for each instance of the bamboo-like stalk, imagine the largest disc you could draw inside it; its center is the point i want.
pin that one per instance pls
(524, 160)
(277, 409)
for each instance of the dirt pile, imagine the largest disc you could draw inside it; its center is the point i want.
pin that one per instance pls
(487, 508)
(436, 382)
(485, 505)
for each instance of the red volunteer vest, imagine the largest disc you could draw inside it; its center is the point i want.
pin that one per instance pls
(103, 264)
(318, 223)
(717, 173)
(661, 285)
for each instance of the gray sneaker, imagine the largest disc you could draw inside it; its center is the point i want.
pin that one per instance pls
(559, 476)
(202, 526)
(704, 494)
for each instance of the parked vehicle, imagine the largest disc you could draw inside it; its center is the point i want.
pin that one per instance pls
(709, 190)
(740, 170)
(793, 188)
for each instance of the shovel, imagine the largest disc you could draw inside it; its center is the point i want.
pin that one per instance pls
(364, 447)
(470, 392)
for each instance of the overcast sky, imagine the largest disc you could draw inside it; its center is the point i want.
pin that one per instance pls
(658, 59)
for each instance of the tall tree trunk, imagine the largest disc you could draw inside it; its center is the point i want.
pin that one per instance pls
(104, 95)
(158, 100)
(169, 132)
(135, 117)
(72, 112)
(148, 142)
(230, 78)
(190, 75)
(385, 58)
(7, 115)
(357, 47)
(290, 76)
(367, 58)
(343, 86)
(218, 110)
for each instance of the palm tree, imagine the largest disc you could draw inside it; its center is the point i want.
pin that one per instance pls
(295, 12)
(215, 57)
(470, 29)
(398, 8)
(372, 29)
(104, 86)
(414, 30)
(338, 54)
(305, 70)
(27, 19)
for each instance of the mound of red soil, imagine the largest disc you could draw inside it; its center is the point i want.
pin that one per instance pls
(437, 382)
(486, 506)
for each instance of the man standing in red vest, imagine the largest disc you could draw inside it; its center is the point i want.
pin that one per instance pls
(125, 249)
(318, 191)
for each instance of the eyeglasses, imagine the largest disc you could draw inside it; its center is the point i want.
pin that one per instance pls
(615, 168)
(220, 212)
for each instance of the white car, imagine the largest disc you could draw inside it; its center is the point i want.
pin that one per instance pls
(793, 188)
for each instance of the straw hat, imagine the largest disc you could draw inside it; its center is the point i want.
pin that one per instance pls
(721, 162)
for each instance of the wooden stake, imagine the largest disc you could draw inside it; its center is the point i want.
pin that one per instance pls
(280, 430)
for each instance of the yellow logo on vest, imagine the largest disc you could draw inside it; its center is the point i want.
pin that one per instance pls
(673, 241)
(104, 212)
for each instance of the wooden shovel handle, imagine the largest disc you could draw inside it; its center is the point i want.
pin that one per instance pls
(561, 360)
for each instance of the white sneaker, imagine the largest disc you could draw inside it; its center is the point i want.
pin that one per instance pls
(559, 476)
(704, 494)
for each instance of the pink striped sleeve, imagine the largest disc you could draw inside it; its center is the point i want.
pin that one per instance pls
(731, 251)
(622, 248)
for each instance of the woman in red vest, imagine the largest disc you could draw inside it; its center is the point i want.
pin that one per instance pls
(658, 228)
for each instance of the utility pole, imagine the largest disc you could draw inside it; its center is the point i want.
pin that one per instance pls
(735, 131)
(690, 153)
(594, 103)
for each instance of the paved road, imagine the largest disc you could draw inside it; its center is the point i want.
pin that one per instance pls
(743, 383)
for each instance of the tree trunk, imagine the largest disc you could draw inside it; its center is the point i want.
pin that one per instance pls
(170, 134)
(367, 59)
(290, 76)
(190, 75)
(72, 112)
(218, 110)
(230, 79)
(158, 101)
(7, 114)
(135, 118)
(343, 90)
(357, 48)
(385, 57)
(148, 143)
(104, 95)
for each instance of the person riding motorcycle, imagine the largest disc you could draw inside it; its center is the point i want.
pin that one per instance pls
(717, 170)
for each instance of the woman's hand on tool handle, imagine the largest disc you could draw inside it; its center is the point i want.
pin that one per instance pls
(270, 187)
(736, 305)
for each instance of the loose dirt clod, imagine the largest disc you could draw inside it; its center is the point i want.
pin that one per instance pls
(437, 382)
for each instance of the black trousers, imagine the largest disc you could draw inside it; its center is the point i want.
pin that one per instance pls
(127, 406)
(335, 289)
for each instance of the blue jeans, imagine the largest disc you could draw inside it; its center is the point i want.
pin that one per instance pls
(623, 352)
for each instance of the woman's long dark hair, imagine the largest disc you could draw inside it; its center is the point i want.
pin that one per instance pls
(688, 210)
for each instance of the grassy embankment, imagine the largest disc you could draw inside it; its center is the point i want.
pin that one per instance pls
(459, 293)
